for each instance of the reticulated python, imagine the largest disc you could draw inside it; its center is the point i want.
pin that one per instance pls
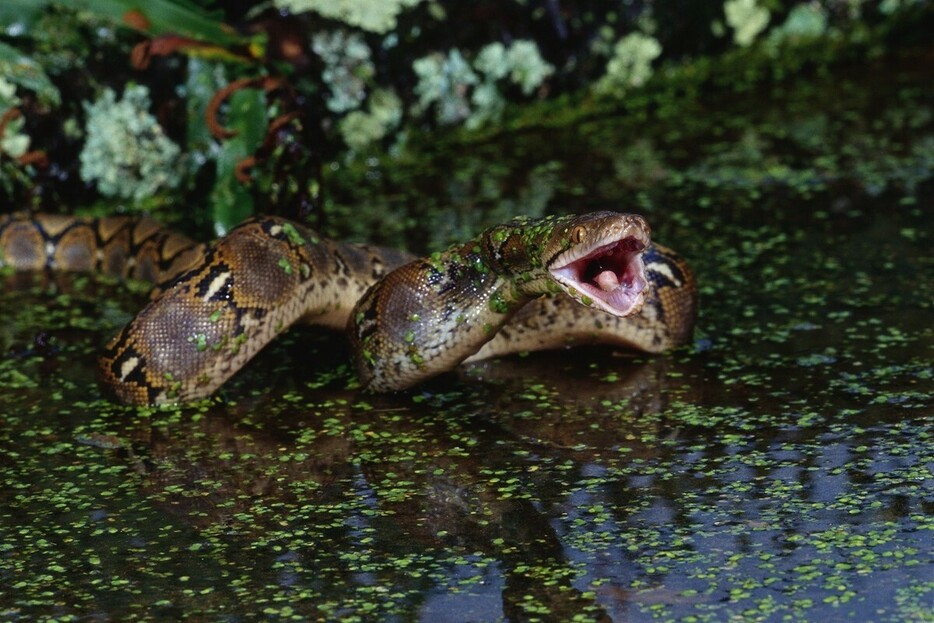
(525, 285)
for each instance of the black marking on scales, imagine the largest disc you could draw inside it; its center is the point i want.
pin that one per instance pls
(217, 284)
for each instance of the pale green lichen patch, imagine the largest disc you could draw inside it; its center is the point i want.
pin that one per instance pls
(631, 64)
(379, 18)
(127, 153)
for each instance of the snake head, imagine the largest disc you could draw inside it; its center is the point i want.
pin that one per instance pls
(601, 266)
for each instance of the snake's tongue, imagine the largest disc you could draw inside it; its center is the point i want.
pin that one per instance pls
(607, 280)
(610, 277)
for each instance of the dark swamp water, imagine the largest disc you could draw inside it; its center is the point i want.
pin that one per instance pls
(778, 469)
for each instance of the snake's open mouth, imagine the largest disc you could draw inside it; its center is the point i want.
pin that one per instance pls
(610, 277)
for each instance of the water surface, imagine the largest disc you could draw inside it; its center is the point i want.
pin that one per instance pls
(779, 468)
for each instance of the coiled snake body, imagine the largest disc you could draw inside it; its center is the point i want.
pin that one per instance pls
(525, 285)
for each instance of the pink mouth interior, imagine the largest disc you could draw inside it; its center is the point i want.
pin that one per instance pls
(613, 274)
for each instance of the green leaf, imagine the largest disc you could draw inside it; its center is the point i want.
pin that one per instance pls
(230, 198)
(161, 17)
(205, 78)
(21, 70)
(18, 16)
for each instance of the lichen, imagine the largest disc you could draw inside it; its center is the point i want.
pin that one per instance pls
(348, 68)
(126, 153)
(443, 81)
(13, 143)
(360, 129)
(630, 65)
(746, 18)
(488, 105)
(446, 81)
(521, 62)
(889, 7)
(378, 17)
(491, 60)
(804, 21)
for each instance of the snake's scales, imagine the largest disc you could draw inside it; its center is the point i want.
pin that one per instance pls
(525, 285)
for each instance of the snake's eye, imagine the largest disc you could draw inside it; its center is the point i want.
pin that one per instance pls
(578, 233)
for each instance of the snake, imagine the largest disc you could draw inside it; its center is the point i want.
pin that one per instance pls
(525, 285)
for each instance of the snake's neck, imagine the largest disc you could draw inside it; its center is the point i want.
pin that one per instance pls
(430, 315)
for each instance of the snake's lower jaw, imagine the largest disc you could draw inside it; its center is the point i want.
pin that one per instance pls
(611, 278)
(622, 300)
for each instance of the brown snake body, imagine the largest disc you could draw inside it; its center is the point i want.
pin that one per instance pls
(525, 285)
